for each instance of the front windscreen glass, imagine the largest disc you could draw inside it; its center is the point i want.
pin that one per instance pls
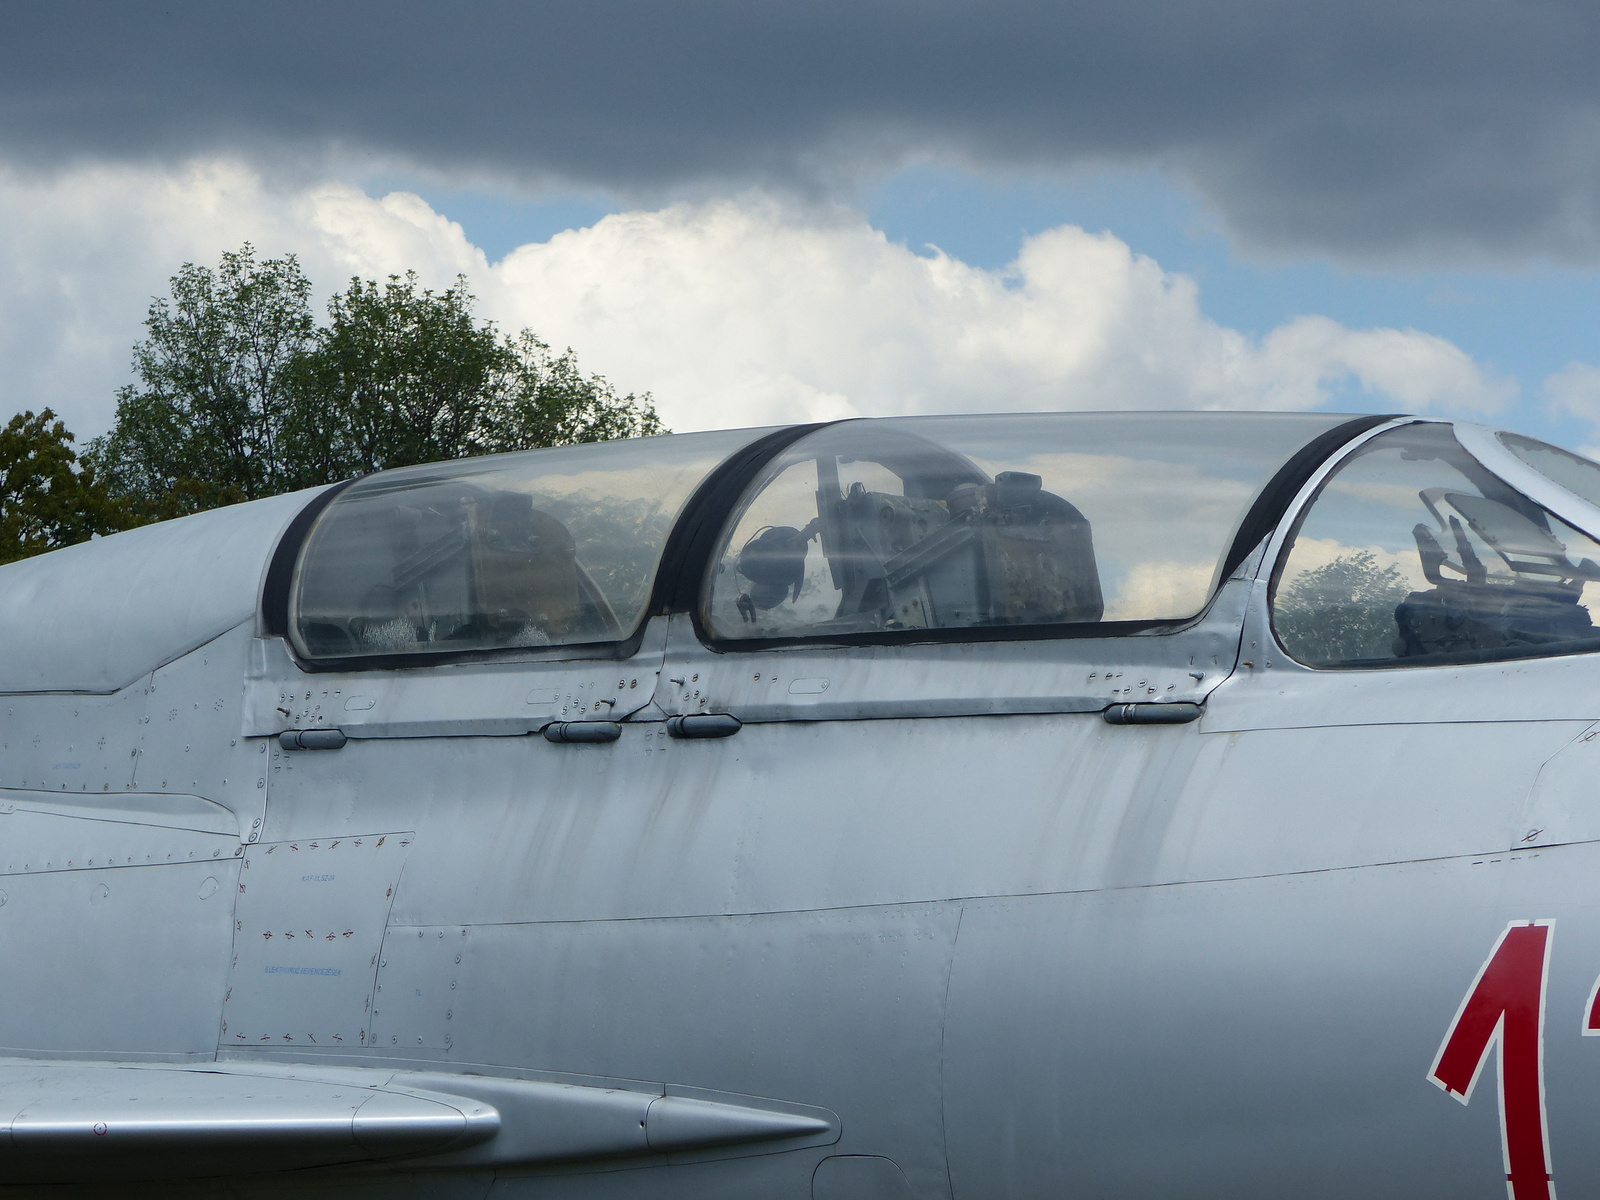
(543, 548)
(929, 523)
(1413, 553)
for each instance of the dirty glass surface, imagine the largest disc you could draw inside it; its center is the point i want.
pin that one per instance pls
(1412, 553)
(1578, 475)
(1066, 519)
(542, 548)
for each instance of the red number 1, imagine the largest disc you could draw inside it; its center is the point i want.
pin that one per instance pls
(1504, 1008)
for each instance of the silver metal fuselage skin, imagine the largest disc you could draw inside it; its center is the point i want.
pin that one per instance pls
(926, 898)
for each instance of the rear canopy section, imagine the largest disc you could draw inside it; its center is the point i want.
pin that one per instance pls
(930, 526)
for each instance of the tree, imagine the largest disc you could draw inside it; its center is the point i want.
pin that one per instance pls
(550, 402)
(1342, 611)
(403, 375)
(242, 395)
(203, 426)
(48, 499)
(400, 375)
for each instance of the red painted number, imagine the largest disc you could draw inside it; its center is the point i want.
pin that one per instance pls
(1504, 1009)
(1591, 1012)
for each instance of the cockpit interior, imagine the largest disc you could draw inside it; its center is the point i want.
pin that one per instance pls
(471, 566)
(1412, 551)
(911, 535)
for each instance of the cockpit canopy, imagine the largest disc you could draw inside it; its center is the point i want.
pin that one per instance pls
(1428, 541)
(857, 528)
(1049, 519)
(1414, 550)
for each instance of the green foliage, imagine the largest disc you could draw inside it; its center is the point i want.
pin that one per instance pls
(1342, 611)
(242, 395)
(47, 498)
(550, 402)
(400, 375)
(204, 425)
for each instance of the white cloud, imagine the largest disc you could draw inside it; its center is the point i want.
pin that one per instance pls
(1160, 590)
(1574, 391)
(83, 251)
(733, 312)
(742, 311)
(348, 230)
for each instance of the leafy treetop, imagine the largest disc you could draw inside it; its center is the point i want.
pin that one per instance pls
(240, 393)
(48, 499)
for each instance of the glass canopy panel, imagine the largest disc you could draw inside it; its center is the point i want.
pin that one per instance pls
(1578, 475)
(1412, 552)
(543, 548)
(1021, 520)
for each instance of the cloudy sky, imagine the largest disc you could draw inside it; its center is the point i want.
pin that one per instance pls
(778, 211)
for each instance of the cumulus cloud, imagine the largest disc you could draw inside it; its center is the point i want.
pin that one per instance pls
(1574, 391)
(83, 251)
(1160, 590)
(749, 312)
(732, 312)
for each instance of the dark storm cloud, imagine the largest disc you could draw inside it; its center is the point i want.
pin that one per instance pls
(1359, 128)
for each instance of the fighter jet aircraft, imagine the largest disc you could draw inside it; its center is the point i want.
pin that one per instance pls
(1058, 805)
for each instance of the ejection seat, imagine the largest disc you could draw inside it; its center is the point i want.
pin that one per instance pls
(953, 549)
